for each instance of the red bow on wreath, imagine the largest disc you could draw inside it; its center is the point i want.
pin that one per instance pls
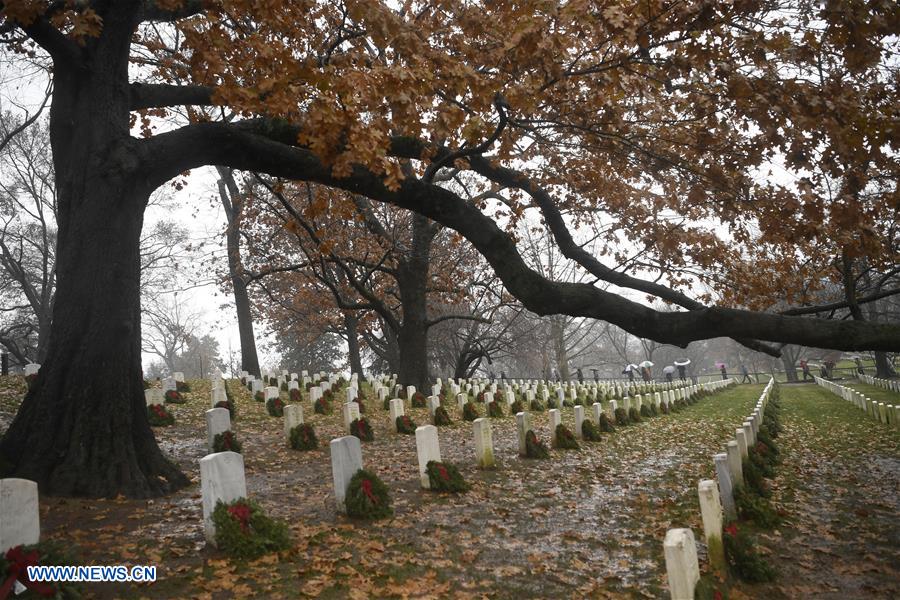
(367, 490)
(18, 571)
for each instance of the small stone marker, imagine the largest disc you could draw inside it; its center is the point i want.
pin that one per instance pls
(218, 420)
(734, 463)
(169, 384)
(682, 567)
(748, 433)
(432, 402)
(221, 479)
(218, 395)
(410, 392)
(271, 392)
(461, 400)
(741, 437)
(293, 416)
(19, 513)
(154, 396)
(711, 511)
(31, 369)
(555, 419)
(256, 386)
(350, 411)
(579, 419)
(484, 442)
(351, 394)
(428, 449)
(178, 376)
(596, 411)
(523, 424)
(346, 460)
(396, 409)
(726, 487)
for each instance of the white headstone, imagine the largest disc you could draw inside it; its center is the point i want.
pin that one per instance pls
(555, 419)
(741, 438)
(396, 409)
(433, 402)
(154, 396)
(726, 486)
(346, 460)
(682, 567)
(218, 420)
(579, 420)
(350, 411)
(218, 395)
(428, 449)
(19, 513)
(31, 369)
(271, 392)
(523, 424)
(351, 394)
(221, 479)
(484, 442)
(734, 462)
(711, 512)
(293, 416)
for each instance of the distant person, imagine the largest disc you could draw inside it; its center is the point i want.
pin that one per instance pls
(645, 374)
(556, 374)
(746, 374)
(630, 372)
(859, 367)
(806, 374)
(723, 372)
(596, 375)
(682, 372)
(503, 375)
(580, 375)
(829, 368)
(669, 376)
(823, 371)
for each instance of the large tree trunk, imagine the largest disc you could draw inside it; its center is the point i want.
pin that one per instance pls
(350, 324)
(790, 368)
(412, 281)
(559, 347)
(82, 429)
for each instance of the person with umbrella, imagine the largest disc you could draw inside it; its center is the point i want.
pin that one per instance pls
(668, 373)
(629, 370)
(645, 370)
(723, 371)
(682, 368)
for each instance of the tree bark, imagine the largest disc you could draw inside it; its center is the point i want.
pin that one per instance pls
(82, 429)
(412, 282)
(233, 205)
(350, 324)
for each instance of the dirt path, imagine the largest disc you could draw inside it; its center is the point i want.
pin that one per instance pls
(840, 484)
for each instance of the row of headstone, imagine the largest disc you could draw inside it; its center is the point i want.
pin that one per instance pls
(892, 385)
(20, 523)
(716, 506)
(880, 411)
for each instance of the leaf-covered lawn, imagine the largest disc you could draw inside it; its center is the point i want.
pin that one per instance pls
(585, 523)
(839, 482)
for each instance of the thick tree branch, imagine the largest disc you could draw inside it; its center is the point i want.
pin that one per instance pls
(153, 13)
(246, 146)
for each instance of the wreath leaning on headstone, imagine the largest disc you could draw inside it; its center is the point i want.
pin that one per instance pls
(367, 497)
(445, 477)
(441, 417)
(589, 431)
(244, 531)
(605, 425)
(159, 416)
(275, 407)
(470, 413)
(14, 565)
(405, 425)
(226, 442)
(303, 437)
(418, 400)
(534, 448)
(495, 409)
(360, 428)
(173, 397)
(322, 406)
(259, 396)
(565, 439)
